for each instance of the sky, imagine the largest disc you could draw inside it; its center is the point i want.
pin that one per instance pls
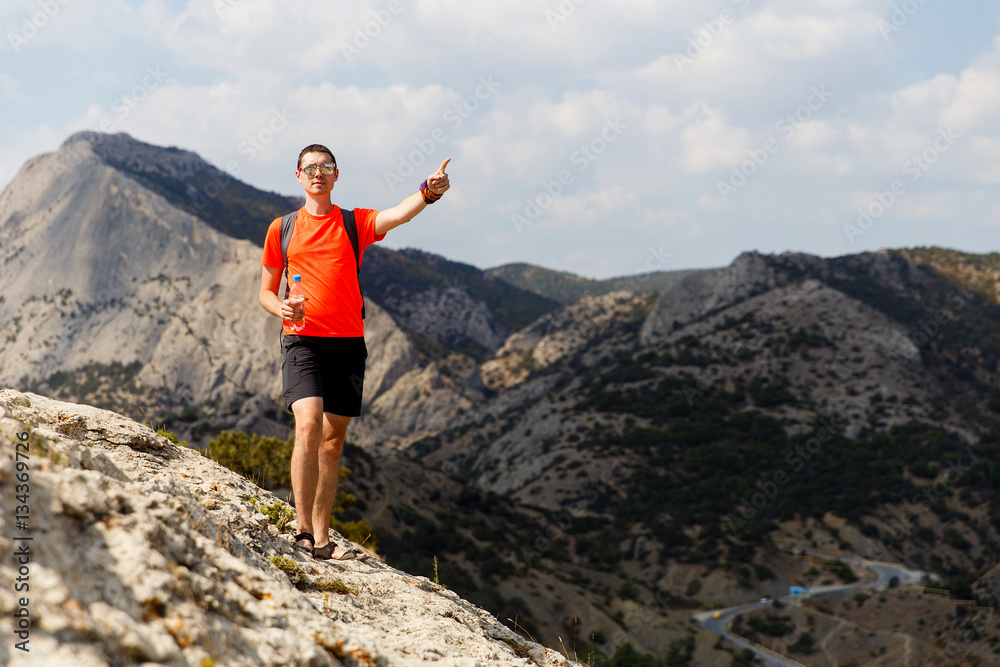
(604, 139)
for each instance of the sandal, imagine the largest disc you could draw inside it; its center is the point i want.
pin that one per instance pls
(326, 552)
(306, 542)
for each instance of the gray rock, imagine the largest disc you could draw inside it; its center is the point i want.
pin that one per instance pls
(151, 553)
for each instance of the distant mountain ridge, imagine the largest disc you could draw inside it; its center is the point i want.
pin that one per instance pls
(564, 287)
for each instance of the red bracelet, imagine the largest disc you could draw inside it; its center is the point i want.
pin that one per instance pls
(425, 192)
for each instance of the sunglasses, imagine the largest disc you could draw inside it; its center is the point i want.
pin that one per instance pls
(326, 169)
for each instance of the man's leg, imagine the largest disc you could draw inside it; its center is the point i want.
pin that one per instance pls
(334, 431)
(305, 459)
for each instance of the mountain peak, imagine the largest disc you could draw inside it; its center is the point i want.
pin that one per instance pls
(155, 164)
(186, 180)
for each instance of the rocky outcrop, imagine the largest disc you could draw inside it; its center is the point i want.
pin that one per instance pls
(422, 403)
(705, 292)
(555, 336)
(145, 552)
(449, 316)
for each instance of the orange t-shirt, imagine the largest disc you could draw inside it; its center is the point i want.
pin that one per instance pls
(320, 251)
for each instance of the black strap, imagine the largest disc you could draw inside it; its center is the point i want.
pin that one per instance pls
(287, 225)
(350, 226)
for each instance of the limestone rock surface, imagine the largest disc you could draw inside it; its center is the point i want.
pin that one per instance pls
(144, 552)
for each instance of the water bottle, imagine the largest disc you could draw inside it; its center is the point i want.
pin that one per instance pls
(297, 294)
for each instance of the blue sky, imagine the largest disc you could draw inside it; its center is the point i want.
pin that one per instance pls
(602, 140)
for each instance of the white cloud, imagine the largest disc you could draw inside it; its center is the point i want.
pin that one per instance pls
(801, 36)
(25, 145)
(975, 103)
(381, 89)
(709, 143)
(993, 218)
(12, 91)
(983, 162)
(814, 134)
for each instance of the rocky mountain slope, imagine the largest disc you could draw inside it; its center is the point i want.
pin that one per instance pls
(566, 287)
(593, 470)
(849, 403)
(99, 270)
(143, 552)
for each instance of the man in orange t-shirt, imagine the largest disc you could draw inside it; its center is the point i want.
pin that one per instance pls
(323, 364)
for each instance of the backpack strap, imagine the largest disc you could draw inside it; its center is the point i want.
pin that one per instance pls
(350, 226)
(287, 226)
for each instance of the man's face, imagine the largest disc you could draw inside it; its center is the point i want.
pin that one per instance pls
(318, 183)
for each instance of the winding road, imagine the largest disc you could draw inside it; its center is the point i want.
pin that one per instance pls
(884, 573)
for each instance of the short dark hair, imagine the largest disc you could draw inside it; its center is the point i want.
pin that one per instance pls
(315, 148)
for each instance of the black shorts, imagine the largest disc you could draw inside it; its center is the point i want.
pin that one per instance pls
(330, 368)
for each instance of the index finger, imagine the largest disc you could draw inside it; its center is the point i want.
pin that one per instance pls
(442, 167)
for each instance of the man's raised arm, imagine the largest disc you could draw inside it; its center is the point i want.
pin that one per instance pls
(437, 185)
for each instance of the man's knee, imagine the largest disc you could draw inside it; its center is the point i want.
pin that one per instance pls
(331, 448)
(308, 410)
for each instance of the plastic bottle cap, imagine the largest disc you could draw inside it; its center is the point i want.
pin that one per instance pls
(296, 278)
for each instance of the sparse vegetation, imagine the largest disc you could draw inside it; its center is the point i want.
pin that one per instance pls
(286, 565)
(331, 585)
(262, 459)
(279, 514)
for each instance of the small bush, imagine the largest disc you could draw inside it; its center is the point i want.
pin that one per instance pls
(629, 590)
(170, 436)
(804, 644)
(286, 565)
(333, 586)
(264, 460)
(279, 514)
(359, 531)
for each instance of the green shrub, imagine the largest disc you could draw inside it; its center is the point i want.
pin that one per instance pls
(278, 513)
(286, 565)
(264, 460)
(629, 590)
(771, 625)
(333, 586)
(804, 644)
(162, 431)
(360, 532)
(680, 652)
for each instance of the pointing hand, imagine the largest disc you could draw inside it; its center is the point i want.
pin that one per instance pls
(437, 182)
